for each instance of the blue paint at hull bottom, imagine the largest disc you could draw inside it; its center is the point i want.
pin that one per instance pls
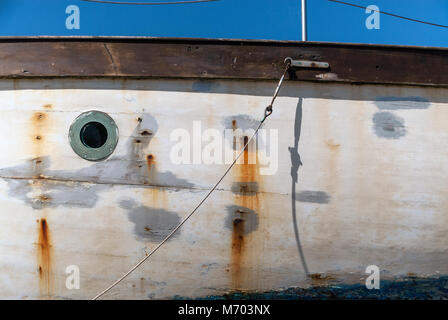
(409, 288)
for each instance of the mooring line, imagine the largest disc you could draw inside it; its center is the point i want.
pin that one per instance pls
(267, 113)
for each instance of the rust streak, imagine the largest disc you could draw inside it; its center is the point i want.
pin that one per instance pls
(149, 160)
(150, 163)
(44, 257)
(142, 285)
(237, 252)
(146, 133)
(241, 245)
(39, 125)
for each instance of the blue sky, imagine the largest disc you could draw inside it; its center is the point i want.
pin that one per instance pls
(235, 19)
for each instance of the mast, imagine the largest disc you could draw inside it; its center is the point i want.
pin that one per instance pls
(303, 20)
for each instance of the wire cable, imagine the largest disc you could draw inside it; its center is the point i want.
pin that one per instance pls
(267, 113)
(391, 14)
(150, 3)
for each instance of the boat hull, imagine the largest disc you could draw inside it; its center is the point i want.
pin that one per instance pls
(345, 177)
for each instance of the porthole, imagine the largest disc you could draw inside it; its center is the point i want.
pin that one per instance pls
(93, 135)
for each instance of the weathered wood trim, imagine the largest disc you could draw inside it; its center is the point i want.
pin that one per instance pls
(219, 59)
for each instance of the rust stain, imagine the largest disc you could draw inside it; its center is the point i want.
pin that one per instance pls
(332, 153)
(318, 279)
(237, 252)
(142, 285)
(150, 165)
(243, 248)
(39, 125)
(44, 198)
(149, 161)
(48, 106)
(155, 196)
(44, 251)
(39, 116)
(37, 168)
(157, 199)
(146, 133)
(332, 145)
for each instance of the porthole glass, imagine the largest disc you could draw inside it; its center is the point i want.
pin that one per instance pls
(93, 135)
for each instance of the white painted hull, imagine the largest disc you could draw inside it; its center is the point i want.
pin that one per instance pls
(370, 190)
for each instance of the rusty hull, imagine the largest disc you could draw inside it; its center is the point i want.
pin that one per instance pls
(361, 180)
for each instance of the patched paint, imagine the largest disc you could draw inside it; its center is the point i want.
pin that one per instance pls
(389, 126)
(402, 103)
(244, 187)
(313, 197)
(41, 194)
(242, 218)
(152, 224)
(240, 121)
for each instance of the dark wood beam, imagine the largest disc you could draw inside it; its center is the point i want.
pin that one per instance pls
(219, 59)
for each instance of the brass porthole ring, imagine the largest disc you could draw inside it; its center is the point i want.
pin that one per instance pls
(93, 135)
